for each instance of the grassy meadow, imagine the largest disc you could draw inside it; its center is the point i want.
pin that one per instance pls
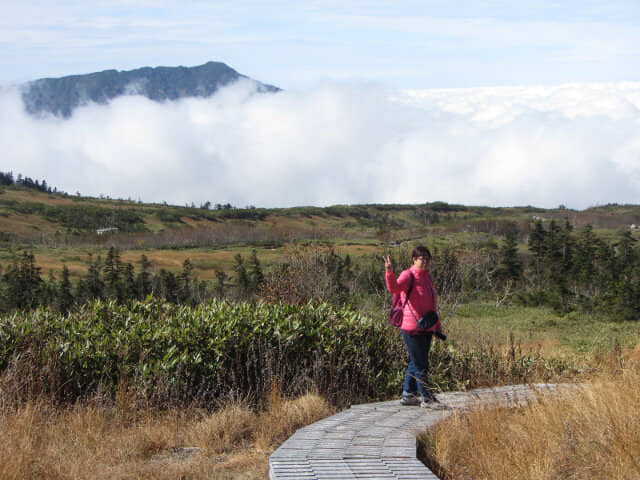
(61, 229)
(152, 388)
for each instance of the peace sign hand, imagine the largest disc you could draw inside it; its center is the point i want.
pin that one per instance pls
(388, 266)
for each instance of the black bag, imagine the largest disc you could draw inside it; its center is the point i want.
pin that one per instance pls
(429, 321)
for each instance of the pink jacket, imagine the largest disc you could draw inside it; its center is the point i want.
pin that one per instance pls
(422, 299)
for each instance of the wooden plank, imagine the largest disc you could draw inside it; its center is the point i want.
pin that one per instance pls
(377, 440)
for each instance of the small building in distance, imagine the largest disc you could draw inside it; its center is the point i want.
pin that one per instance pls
(102, 231)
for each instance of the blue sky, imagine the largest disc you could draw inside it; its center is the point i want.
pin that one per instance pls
(296, 45)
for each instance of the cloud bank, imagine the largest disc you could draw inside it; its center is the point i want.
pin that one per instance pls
(575, 144)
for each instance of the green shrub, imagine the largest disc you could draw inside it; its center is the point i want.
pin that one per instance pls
(172, 354)
(84, 217)
(177, 353)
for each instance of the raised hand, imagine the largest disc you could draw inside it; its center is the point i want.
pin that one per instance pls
(388, 266)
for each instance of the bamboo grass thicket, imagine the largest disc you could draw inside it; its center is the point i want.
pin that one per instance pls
(170, 354)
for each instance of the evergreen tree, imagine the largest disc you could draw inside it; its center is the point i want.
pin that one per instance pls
(23, 283)
(49, 291)
(65, 296)
(585, 267)
(606, 272)
(6, 178)
(165, 285)
(510, 267)
(625, 251)
(128, 290)
(242, 278)
(112, 270)
(221, 277)
(559, 246)
(537, 241)
(627, 285)
(255, 272)
(143, 280)
(185, 282)
(81, 292)
(95, 285)
(568, 249)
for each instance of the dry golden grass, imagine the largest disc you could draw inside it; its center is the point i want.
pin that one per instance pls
(590, 433)
(205, 261)
(25, 225)
(38, 440)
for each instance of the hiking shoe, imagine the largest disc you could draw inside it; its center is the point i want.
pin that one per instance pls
(435, 406)
(409, 400)
(429, 400)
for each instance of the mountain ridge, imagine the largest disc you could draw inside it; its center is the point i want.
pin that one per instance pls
(61, 95)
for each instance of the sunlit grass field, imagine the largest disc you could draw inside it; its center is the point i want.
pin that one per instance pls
(576, 333)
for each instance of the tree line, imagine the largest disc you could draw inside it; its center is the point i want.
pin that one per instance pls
(304, 276)
(571, 270)
(22, 286)
(548, 264)
(6, 178)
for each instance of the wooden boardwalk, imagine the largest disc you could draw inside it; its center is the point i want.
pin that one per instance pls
(378, 440)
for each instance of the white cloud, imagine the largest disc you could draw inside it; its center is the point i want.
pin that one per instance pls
(576, 144)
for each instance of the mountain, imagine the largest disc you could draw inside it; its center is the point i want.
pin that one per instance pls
(61, 95)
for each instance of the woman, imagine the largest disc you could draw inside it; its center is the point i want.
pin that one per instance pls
(418, 284)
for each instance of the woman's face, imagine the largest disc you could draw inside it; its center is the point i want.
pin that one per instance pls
(422, 262)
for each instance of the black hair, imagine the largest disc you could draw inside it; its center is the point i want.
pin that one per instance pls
(421, 252)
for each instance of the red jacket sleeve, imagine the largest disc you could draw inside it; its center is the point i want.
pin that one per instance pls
(401, 284)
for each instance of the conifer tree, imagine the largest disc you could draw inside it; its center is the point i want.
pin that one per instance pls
(65, 296)
(510, 268)
(128, 288)
(625, 252)
(49, 291)
(606, 272)
(185, 281)
(23, 283)
(95, 285)
(221, 277)
(558, 263)
(585, 260)
(256, 275)
(165, 285)
(143, 280)
(537, 241)
(242, 278)
(627, 283)
(112, 270)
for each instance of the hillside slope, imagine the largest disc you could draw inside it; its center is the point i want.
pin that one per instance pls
(27, 214)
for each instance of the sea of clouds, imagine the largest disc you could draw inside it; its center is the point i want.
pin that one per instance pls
(574, 144)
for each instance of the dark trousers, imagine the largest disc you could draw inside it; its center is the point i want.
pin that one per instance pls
(415, 382)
